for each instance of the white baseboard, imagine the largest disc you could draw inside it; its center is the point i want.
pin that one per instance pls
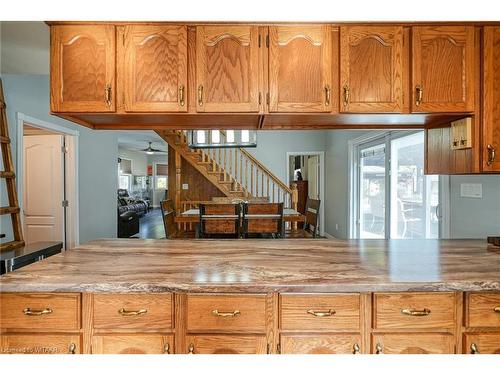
(328, 235)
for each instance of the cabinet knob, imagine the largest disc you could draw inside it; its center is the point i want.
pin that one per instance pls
(496, 309)
(72, 348)
(346, 95)
(166, 348)
(420, 95)
(355, 349)
(474, 349)
(379, 349)
(491, 155)
(191, 349)
(328, 95)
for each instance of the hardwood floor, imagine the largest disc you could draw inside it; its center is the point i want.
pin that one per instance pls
(151, 225)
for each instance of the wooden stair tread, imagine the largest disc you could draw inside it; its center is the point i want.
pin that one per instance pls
(6, 174)
(9, 210)
(11, 245)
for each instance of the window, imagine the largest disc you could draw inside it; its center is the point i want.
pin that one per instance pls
(161, 172)
(124, 181)
(124, 173)
(392, 198)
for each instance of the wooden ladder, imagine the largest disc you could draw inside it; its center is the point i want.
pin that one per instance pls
(10, 179)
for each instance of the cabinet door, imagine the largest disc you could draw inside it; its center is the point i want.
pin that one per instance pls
(155, 68)
(132, 344)
(491, 99)
(413, 343)
(482, 343)
(371, 73)
(300, 68)
(227, 68)
(320, 344)
(82, 64)
(19, 343)
(226, 344)
(443, 68)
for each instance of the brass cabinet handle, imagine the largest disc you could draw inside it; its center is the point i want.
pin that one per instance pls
(379, 349)
(355, 349)
(497, 309)
(413, 312)
(200, 95)
(322, 313)
(474, 349)
(107, 92)
(72, 348)
(124, 312)
(226, 314)
(328, 95)
(491, 155)
(166, 348)
(420, 94)
(346, 95)
(35, 312)
(191, 349)
(181, 95)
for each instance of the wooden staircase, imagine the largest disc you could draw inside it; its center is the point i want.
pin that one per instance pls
(234, 171)
(8, 174)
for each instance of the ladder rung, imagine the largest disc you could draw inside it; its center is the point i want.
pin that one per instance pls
(9, 210)
(11, 245)
(4, 139)
(7, 175)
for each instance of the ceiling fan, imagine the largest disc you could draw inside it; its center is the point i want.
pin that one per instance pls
(150, 150)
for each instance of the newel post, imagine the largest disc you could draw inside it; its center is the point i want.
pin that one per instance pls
(295, 201)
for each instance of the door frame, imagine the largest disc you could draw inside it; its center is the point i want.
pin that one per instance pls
(386, 136)
(71, 224)
(321, 155)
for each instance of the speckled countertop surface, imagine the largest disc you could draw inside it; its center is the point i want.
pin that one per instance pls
(133, 265)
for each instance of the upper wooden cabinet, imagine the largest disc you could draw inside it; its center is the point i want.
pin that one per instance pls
(82, 68)
(155, 68)
(443, 68)
(371, 69)
(491, 99)
(227, 66)
(300, 68)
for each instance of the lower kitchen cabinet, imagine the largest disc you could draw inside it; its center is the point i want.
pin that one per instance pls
(18, 343)
(132, 344)
(226, 344)
(321, 344)
(413, 343)
(482, 343)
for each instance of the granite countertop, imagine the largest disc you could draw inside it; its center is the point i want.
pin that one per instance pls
(134, 265)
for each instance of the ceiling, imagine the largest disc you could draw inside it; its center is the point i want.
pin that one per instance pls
(136, 140)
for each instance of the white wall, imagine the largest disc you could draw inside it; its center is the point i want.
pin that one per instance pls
(98, 153)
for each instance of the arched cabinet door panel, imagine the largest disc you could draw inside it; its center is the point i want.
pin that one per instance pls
(155, 68)
(227, 68)
(226, 344)
(300, 68)
(372, 69)
(83, 68)
(413, 343)
(132, 344)
(443, 68)
(320, 344)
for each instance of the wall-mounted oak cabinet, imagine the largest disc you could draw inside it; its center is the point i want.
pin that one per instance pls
(154, 68)
(300, 68)
(372, 69)
(443, 68)
(82, 68)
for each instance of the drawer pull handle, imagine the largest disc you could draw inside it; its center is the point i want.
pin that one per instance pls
(166, 348)
(34, 312)
(474, 349)
(322, 313)
(72, 348)
(497, 309)
(355, 349)
(413, 312)
(191, 349)
(379, 349)
(132, 312)
(226, 314)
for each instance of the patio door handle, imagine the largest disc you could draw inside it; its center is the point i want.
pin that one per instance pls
(438, 211)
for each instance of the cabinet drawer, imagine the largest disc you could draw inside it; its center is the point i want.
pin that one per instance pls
(321, 344)
(146, 311)
(414, 310)
(413, 343)
(320, 312)
(482, 343)
(132, 344)
(226, 313)
(40, 344)
(59, 311)
(226, 344)
(483, 310)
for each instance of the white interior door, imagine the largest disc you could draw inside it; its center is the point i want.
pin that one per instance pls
(43, 191)
(313, 176)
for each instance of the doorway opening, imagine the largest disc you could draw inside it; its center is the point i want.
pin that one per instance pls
(306, 169)
(47, 187)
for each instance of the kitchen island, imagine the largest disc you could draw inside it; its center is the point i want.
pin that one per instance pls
(257, 296)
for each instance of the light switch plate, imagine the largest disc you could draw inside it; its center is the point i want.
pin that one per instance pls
(471, 190)
(185, 186)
